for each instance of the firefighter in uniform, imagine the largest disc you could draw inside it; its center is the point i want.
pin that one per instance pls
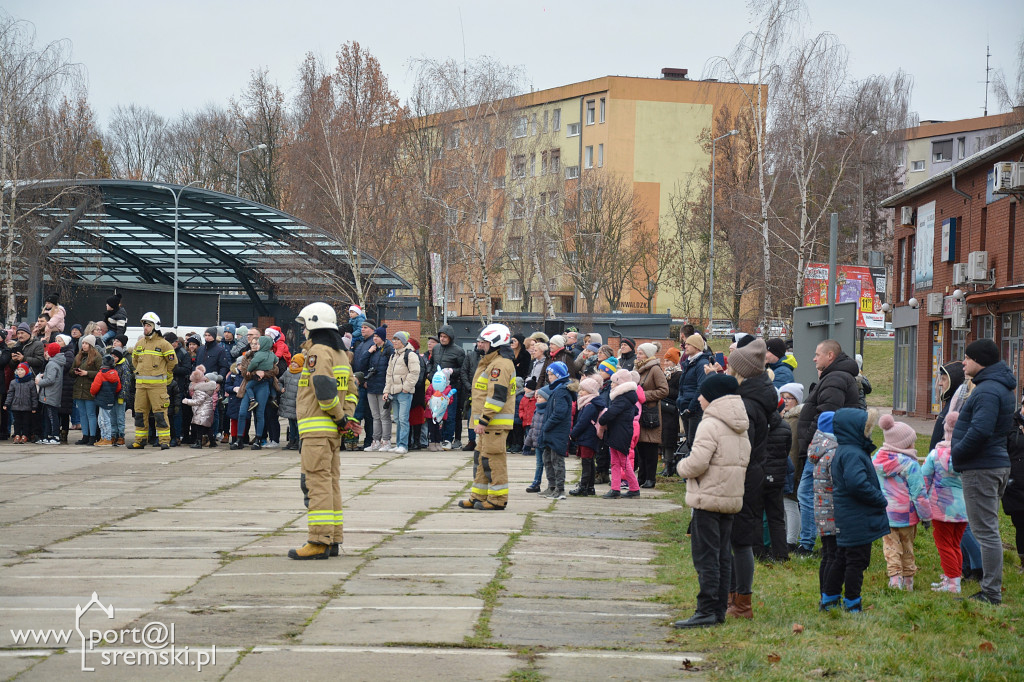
(494, 401)
(154, 361)
(324, 405)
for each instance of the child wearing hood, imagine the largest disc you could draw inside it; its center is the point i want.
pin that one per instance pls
(203, 389)
(533, 436)
(899, 474)
(820, 453)
(589, 405)
(557, 426)
(22, 402)
(50, 384)
(859, 507)
(233, 388)
(290, 391)
(792, 395)
(715, 472)
(440, 396)
(945, 491)
(618, 421)
(106, 386)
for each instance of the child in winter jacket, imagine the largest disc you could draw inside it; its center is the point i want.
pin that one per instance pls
(51, 385)
(527, 406)
(554, 436)
(945, 491)
(233, 387)
(440, 398)
(819, 455)
(899, 474)
(621, 433)
(589, 405)
(533, 439)
(290, 384)
(105, 387)
(126, 397)
(203, 401)
(859, 506)
(22, 402)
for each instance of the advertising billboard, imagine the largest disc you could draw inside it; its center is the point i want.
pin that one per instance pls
(862, 285)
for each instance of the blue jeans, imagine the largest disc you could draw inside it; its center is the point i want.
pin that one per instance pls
(539, 471)
(258, 391)
(971, 550)
(105, 421)
(117, 420)
(88, 413)
(401, 404)
(805, 497)
(75, 419)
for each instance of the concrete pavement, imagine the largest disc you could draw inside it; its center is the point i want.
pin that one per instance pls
(191, 544)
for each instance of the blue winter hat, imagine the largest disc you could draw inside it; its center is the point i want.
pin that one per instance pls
(229, 328)
(825, 422)
(544, 392)
(559, 370)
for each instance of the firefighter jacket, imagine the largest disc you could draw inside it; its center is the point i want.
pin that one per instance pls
(325, 399)
(154, 360)
(494, 390)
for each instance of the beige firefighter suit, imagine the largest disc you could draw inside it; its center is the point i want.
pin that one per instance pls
(494, 401)
(324, 404)
(154, 362)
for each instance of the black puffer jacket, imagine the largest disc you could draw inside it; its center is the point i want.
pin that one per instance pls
(760, 400)
(776, 463)
(954, 373)
(835, 389)
(67, 388)
(1013, 498)
(451, 356)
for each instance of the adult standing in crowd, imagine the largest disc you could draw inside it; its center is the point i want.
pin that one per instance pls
(469, 368)
(774, 357)
(747, 364)
(951, 378)
(978, 451)
(362, 344)
(655, 385)
(446, 354)
(693, 373)
(669, 411)
(403, 375)
(214, 358)
(85, 367)
(627, 353)
(491, 419)
(1013, 496)
(557, 352)
(835, 389)
(374, 358)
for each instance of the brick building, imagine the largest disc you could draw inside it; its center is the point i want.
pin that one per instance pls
(958, 272)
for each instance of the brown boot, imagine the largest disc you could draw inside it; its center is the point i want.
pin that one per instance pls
(310, 550)
(225, 438)
(732, 602)
(740, 607)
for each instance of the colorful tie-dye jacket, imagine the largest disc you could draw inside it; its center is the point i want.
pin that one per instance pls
(944, 487)
(902, 484)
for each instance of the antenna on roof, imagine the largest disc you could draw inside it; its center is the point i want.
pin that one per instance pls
(988, 55)
(463, 29)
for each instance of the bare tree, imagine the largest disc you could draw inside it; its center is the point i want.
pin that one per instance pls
(135, 139)
(260, 118)
(201, 145)
(1009, 91)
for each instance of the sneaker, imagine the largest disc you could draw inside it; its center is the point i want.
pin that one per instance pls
(559, 494)
(255, 446)
(272, 444)
(456, 445)
(803, 552)
(401, 450)
(550, 492)
(895, 582)
(253, 405)
(611, 495)
(446, 445)
(386, 446)
(372, 447)
(533, 488)
(632, 493)
(985, 599)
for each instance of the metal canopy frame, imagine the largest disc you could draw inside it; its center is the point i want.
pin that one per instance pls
(122, 232)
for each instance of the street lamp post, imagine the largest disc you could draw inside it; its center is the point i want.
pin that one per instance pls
(238, 163)
(177, 196)
(711, 254)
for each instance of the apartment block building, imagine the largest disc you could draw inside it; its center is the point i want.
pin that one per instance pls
(934, 146)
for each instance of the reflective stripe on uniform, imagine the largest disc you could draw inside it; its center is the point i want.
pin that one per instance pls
(351, 398)
(481, 382)
(493, 404)
(329, 404)
(151, 380)
(338, 516)
(498, 492)
(308, 425)
(341, 374)
(494, 421)
(151, 352)
(479, 491)
(320, 517)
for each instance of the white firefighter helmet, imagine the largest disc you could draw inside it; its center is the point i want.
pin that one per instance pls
(318, 315)
(496, 334)
(153, 319)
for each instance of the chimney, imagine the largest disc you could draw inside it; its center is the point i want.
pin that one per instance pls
(671, 74)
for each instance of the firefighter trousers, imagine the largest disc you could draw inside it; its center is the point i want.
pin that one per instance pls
(490, 479)
(321, 467)
(152, 399)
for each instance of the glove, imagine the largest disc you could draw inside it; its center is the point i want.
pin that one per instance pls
(531, 384)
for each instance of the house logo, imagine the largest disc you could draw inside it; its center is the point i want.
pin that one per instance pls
(81, 611)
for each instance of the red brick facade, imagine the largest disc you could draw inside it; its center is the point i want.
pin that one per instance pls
(995, 310)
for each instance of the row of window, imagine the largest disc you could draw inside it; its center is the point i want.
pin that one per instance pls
(944, 150)
(531, 125)
(524, 165)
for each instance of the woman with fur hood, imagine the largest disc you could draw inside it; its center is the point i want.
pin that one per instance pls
(203, 389)
(715, 471)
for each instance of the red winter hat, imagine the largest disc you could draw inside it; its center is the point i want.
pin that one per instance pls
(52, 349)
(24, 366)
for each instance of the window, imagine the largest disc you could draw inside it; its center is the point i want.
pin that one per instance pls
(522, 126)
(499, 182)
(957, 344)
(549, 200)
(518, 208)
(1013, 340)
(572, 172)
(514, 290)
(556, 119)
(572, 129)
(519, 166)
(986, 328)
(533, 124)
(588, 156)
(453, 139)
(481, 213)
(533, 165)
(901, 268)
(601, 113)
(600, 154)
(590, 112)
(438, 152)
(451, 216)
(545, 121)
(917, 166)
(942, 151)
(515, 247)
(554, 161)
(961, 147)
(592, 199)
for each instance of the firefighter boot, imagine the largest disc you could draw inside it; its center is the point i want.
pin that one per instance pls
(310, 550)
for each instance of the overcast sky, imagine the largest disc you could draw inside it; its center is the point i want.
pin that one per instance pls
(180, 55)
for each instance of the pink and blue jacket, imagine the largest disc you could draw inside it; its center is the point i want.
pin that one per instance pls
(944, 487)
(902, 484)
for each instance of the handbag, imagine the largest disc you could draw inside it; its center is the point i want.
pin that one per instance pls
(650, 417)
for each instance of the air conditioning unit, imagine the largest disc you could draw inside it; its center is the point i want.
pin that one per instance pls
(959, 318)
(977, 266)
(906, 215)
(1007, 176)
(934, 305)
(960, 273)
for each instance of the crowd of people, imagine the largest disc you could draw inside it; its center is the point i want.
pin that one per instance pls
(770, 465)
